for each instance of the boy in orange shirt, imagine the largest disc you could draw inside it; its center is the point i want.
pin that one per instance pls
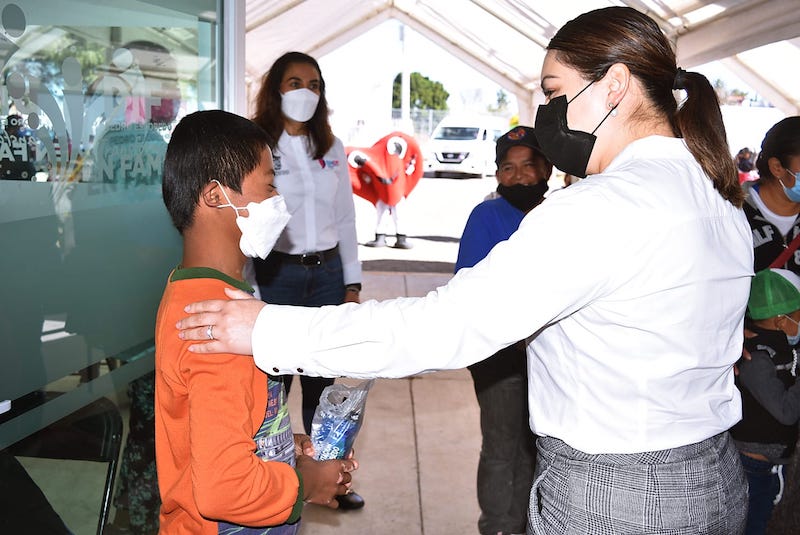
(225, 452)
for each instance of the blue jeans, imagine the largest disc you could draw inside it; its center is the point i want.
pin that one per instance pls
(508, 447)
(285, 283)
(765, 486)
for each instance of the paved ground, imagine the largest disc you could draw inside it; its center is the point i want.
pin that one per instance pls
(434, 216)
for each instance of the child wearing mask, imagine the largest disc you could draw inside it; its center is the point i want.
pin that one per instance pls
(225, 452)
(767, 434)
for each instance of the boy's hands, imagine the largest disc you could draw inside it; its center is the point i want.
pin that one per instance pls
(303, 445)
(323, 480)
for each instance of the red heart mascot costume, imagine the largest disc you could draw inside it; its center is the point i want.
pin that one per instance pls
(384, 174)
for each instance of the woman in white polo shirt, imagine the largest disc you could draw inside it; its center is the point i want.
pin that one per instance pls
(630, 287)
(315, 261)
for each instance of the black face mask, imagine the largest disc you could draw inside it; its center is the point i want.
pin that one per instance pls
(523, 197)
(569, 150)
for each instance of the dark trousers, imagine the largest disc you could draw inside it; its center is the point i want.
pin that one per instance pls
(508, 447)
(285, 283)
(764, 487)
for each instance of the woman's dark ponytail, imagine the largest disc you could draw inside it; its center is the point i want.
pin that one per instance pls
(699, 121)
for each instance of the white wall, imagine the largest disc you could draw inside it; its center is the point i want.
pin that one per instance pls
(746, 126)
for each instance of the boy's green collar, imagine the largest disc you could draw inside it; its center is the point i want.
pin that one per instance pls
(180, 273)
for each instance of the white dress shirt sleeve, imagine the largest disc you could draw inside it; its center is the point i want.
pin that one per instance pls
(506, 297)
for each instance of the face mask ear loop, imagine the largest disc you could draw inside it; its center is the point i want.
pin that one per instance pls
(579, 92)
(792, 320)
(604, 119)
(226, 198)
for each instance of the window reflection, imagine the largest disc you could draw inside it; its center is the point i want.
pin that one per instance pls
(85, 116)
(59, 105)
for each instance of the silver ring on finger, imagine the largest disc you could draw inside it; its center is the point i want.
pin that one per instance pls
(209, 332)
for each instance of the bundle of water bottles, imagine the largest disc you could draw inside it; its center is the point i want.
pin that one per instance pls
(338, 419)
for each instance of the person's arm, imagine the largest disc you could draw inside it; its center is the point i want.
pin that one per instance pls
(506, 297)
(345, 211)
(230, 481)
(759, 376)
(534, 278)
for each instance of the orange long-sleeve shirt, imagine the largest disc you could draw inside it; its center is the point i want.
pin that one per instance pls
(207, 409)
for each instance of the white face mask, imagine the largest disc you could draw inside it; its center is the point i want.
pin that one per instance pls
(793, 339)
(299, 104)
(263, 226)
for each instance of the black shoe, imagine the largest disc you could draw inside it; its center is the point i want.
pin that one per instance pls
(379, 241)
(402, 242)
(350, 501)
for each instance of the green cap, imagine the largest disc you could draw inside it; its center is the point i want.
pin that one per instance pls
(773, 292)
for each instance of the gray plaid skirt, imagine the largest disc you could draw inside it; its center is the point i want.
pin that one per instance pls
(691, 490)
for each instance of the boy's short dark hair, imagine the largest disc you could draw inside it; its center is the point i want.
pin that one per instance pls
(208, 145)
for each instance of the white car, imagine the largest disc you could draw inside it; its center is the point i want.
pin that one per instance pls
(464, 146)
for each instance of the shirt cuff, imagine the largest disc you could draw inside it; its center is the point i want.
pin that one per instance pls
(278, 337)
(351, 272)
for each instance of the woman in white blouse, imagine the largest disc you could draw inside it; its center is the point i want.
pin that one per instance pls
(630, 287)
(315, 261)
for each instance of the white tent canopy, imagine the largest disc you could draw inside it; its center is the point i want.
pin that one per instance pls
(504, 39)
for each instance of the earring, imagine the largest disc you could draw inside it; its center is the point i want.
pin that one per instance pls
(613, 109)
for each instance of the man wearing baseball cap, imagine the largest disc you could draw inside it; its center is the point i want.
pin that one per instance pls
(522, 168)
(508, 449)
(767, 434)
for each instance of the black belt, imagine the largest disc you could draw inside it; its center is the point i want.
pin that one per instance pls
(308, 259)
